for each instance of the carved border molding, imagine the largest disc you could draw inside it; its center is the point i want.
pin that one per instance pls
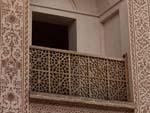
(26, 54)
(139, 26)
(14, 56)
(48, 108)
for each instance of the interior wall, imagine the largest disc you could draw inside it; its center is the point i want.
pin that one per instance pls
(88, 35)
(124, 26)
(73, 36)
(79, 6)
(103, 5)
(121, 31)
(112, 36)
(87, 26)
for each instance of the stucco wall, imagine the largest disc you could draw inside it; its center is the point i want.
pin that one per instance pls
(80, 6)
(112, 36)
(116, 34)
(103, 5)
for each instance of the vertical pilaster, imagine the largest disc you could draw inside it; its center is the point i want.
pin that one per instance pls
(139, 27)
(14, 56)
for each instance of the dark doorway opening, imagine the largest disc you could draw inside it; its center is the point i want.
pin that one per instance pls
(53, 31)
(49, 35)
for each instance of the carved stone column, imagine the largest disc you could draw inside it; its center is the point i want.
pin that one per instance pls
(14, 56)
(139, 26)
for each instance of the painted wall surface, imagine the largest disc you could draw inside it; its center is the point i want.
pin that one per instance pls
(112, 36)
(124, 27)
(72, 36)
(80, 6)
(88, 27)
(88, 35)
(118, 29)
(103, 5)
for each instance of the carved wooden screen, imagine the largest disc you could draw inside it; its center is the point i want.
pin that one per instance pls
(68, 73)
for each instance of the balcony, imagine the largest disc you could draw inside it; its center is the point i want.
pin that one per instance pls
(72, 74)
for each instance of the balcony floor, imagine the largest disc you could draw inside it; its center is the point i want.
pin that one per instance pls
(81, 102)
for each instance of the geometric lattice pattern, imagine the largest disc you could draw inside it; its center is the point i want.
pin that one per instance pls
(58, 72)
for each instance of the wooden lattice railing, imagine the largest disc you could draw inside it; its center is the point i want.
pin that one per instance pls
(70, 73)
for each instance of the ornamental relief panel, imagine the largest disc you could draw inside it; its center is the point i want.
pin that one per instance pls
(12, 38)
(139, 26)
(73, 74)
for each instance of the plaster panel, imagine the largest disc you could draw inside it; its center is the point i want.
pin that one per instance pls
(103, 5)
(88, 35)
(80, 6)
(112, 37)
(122, 30)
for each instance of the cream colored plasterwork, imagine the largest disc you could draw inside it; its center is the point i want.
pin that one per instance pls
(139, 26)
(14, 56)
